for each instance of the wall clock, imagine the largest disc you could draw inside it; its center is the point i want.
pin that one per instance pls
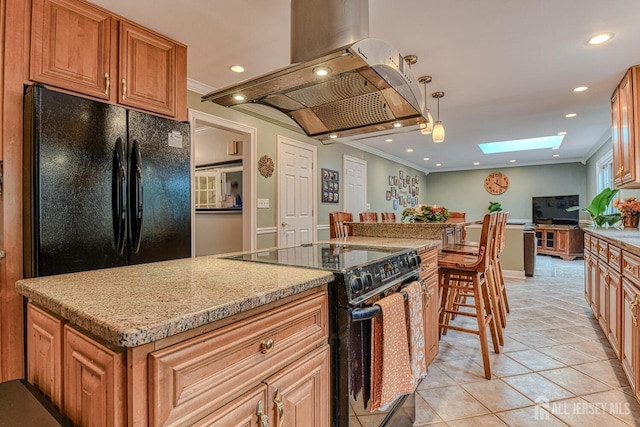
(496, 183)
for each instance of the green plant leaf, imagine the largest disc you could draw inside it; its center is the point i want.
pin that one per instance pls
(598, 205)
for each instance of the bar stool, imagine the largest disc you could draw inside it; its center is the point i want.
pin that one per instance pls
(464, 274)
(388, 217)
(368, 217)
(338, 227)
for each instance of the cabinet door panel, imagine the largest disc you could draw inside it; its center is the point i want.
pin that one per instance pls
(629, 354)
(94, 382)
(627, 147)
(614, 302)
(147, 64)
(241, 412)
(70, 46)
(44, 353)
(299, 395)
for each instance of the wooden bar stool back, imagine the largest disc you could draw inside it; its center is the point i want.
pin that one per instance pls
(338, 227)
(467, 274)
(368, 217)
(388, 217)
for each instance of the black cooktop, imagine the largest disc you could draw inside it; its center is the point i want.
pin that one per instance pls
(325, 256)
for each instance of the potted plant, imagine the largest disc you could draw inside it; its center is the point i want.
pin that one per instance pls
(494, 207)
(598, 207)
(425, 213)
(629, 208)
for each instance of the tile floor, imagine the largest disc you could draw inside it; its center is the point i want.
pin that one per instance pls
(556, 367)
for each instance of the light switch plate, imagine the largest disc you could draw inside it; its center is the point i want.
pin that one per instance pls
(368, 206)
(263, 203)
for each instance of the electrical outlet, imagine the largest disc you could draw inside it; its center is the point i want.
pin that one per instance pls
(263, 203)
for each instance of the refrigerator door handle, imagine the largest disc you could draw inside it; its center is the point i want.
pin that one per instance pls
(136, 197)
(121, 198)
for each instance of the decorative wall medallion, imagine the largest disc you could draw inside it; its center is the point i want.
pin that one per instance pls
(265, 166)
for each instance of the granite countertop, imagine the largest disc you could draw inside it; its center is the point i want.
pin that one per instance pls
(403, 230)
(417, 244)
(627, 239)
(134, 305)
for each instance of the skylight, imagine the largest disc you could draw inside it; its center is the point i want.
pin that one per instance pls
(521, 144)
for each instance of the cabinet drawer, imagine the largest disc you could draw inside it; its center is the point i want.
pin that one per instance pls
(429, 263)
(587, 242)
(631, 267)
(615, 257)
(603, 253)
(191, 379)
(593, 247)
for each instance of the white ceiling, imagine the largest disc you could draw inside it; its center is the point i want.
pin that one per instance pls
(507, 67)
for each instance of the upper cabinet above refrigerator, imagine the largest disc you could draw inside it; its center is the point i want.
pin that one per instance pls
(85, 49)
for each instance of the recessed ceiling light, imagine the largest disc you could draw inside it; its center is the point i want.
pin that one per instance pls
(409, 150)
(521, 144)
(556, 155)
(322, 71)
(555, 148)
(237, 68)
(438, 164)
(388, 140)
(476, 163)
(580, 88)
(239, 97)
(562, 133)
(426, 158)
(600, 38)
(333, 136)
(397, 125)
(570, 115)
(512, 161)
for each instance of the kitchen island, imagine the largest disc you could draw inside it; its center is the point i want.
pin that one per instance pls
(153, 344)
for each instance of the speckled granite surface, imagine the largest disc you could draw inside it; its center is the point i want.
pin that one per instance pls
(135, 305)
(417, 244)
(425, 230)
(626, 239)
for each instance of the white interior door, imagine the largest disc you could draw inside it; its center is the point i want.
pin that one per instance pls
(354, 197)
(296, 192)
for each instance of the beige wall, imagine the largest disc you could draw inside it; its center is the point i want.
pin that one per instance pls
(218, 232)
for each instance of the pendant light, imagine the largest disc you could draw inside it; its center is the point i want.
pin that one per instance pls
(438, 129)
(426, 128)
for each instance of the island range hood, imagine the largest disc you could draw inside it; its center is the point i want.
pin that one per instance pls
(368, 87)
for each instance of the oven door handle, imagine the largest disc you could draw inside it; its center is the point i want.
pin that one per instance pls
(368, 313)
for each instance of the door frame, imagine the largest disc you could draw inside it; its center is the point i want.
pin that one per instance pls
(314, 184)
(249, 177)
(345, 158)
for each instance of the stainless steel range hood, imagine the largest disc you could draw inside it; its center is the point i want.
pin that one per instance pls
(369, 87)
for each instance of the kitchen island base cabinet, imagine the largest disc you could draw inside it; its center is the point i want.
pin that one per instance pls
(431, 306)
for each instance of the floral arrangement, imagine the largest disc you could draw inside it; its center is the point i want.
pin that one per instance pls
(628, 207)
(425, 213)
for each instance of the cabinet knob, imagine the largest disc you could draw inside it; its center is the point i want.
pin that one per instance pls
(267, 345)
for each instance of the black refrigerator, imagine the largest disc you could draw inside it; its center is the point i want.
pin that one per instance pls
(104, 186)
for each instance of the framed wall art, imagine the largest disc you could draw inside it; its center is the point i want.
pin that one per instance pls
(330, 186)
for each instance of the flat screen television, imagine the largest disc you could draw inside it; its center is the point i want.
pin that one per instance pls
(552, 210)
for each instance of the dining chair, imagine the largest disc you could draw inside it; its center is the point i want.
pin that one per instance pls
(338, 224)
(388, 217)
(368, 216)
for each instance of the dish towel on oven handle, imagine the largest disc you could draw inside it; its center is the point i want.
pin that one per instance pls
(390, 364)
(415, 331)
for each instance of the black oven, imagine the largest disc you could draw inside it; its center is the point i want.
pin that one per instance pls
(363, 275)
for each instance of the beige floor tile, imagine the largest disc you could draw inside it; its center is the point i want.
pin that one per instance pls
(558, 322)
(435, 378)
(588, 332)
(497, 395)
(561, 336)
(600, 349)
(608, 371)
(529, 325)
(481, 421)
(534, 360)
(574, 381)
(567, 355)
(452, 403)
(372, 420)
(463, 371)
(424, 414)
(530, 416)
(580, 413)
(511, 344)
(618, 404)
(502, 366)
(534, 339)
(535, 386)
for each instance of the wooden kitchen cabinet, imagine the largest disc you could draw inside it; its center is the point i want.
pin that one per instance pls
(429, 276)
(592, 290)
(624, 131)
(44, 347)
(82, 48)
(94, 381)
(563, 241)
(629, 351)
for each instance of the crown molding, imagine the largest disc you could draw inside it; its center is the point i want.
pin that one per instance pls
(198, 87)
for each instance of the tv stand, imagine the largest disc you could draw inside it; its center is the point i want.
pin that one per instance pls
(565, 241)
